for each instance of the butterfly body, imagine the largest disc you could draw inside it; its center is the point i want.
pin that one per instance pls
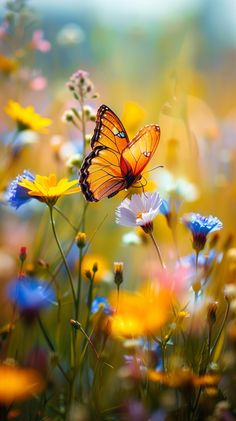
(115, 163)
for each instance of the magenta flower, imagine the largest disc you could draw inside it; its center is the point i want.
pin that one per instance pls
(39, 43)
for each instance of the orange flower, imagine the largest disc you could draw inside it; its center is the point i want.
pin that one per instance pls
(18, 383)
(184, 377)
(7, 65)
(140, 313)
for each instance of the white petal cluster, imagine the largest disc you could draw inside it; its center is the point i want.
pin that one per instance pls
(139, 210)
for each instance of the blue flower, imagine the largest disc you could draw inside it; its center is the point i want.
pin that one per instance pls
(100, 303)
(200, 226)
(16, 194)
(30, 294)
(165, 207)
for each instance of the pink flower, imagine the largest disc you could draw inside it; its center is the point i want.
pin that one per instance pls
(38, 43)
(38, 83)
(177, 281)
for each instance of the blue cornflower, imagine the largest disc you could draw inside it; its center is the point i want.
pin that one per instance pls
(200, 226)
(30, 295)
(165, 207)
(18, 195)
(100, 303)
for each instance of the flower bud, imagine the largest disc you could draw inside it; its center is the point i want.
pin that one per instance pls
(80, 85)
(95, 267)
(88, 274)
(80, 239)
(23, 254)
(196, 286)
(118, 273)
(211, 313)
(228, 242)
(75, 324)
(214, 240)
(74, 160)
(68, 116)
(43, 264)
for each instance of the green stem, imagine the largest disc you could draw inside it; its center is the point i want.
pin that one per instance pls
(173, 231)
(90, 299)
(62, 254)
(51, 346)
(195, 407)
(77, 303)
(84, 150)
(163, 349)
(157, 250)
(77, 325)
(221, 328)
(83, 124)
(118, 297)
(65, 217)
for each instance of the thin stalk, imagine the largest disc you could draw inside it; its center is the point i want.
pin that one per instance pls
(173, 231)
(83, 129)
(77, 325)
(83, 123)
(58, 268)
(163, 355)
(118, 297)
(197, 255)
(157, 250)
(195, 408)
(90, 298)
(51, 346)
(77, 302)
(66, 219)
(62, 254)
(221, 328)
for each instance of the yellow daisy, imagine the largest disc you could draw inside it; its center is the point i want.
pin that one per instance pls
(48, 189)
(26, 118)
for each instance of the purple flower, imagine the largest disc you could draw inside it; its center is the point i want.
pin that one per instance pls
(16, 194)
(80, 84)
(200, 226)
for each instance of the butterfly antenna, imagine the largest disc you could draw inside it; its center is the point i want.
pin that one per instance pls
(152, 169)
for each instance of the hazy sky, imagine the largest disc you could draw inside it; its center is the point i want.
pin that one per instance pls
(114, 10)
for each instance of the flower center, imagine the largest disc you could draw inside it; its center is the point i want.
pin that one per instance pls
(139, 215)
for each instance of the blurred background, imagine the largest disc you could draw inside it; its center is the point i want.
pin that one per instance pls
(171, 63)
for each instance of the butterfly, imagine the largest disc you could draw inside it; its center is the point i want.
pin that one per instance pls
(115, 163)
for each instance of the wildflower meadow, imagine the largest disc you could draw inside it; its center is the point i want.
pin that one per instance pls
(117, 210)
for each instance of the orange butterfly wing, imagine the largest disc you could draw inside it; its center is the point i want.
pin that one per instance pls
(100, 174)
(140, 150)
(115, 163)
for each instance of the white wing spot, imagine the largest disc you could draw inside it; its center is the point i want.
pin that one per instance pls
(147, 154)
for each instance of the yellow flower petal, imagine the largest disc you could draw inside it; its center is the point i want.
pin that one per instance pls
(26, 118)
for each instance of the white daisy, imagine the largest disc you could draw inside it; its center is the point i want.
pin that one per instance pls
(140, 210)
